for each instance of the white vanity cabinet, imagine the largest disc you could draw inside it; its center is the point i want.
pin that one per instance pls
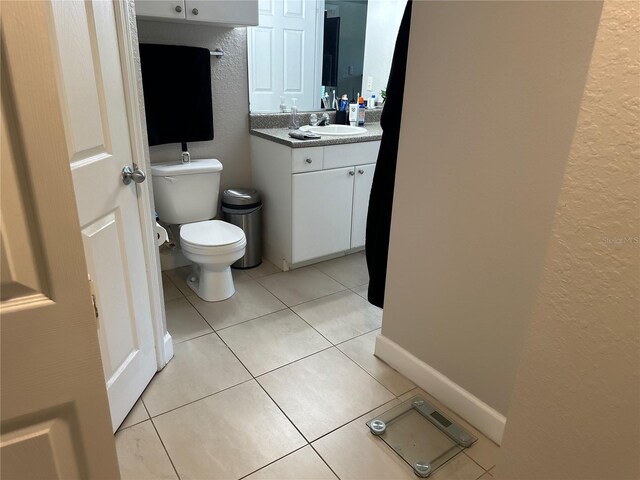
(230, 13)
(315, 199)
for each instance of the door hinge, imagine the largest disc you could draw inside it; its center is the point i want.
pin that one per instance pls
(95, 305)
(93, 298)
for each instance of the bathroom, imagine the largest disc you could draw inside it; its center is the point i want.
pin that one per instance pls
(132, 349)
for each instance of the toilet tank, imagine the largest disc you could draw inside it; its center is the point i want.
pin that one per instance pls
(186, 192)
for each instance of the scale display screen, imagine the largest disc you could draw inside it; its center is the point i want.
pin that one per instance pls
(441, 419)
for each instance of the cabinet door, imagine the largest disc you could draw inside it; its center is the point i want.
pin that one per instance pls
(361, 191)
(160, 9)
(230, 12)
(322, 204)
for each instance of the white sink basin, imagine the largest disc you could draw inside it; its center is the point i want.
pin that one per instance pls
(335, 130)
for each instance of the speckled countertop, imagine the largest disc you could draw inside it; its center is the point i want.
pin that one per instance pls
(281, 135)
(272, 126)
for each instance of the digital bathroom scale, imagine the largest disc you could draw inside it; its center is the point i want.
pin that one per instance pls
(421, 435)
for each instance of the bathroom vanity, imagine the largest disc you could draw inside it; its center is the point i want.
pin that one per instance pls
(316, 193)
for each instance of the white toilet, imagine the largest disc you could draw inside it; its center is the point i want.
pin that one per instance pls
(186, 194)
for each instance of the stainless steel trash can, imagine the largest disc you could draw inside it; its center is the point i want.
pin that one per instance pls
(243, 207)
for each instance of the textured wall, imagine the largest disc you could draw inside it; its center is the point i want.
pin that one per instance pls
(491, 101)
(575, 412)
(230, 96)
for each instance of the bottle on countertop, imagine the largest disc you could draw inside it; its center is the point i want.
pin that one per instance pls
(360, 112)
(294, 121)
(353, 114)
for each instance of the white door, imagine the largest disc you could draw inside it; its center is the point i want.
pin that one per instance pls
(92, 95)
(55, 416)
(161, 9)
(321, 213)
(361, 192)
(285, 54)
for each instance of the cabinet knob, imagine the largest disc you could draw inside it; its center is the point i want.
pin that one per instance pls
(361, 172)
(308, 160)
(195, 11)
(352, 173)
(178, 8)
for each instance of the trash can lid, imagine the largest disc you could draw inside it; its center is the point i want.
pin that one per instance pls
(240, 196)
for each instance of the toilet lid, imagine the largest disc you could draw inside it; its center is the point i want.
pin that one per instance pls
(211, 233)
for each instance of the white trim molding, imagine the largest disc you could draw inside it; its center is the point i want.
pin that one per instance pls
(132, 80)
(471, 408)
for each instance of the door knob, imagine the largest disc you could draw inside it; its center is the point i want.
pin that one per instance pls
(352, 173)
(178, 8)
(361, 172)
(136, 175)
(195, 11)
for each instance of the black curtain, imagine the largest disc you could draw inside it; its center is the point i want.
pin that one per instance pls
(381, 199)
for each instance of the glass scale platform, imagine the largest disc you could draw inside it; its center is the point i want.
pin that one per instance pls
(421, 435)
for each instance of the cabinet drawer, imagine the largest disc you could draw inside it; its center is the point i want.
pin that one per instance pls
(307, 159)
(346, 155)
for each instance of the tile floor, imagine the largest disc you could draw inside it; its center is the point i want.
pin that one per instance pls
(276, 382)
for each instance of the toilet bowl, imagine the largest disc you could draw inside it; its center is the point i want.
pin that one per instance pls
(212, 246)
(186, 194)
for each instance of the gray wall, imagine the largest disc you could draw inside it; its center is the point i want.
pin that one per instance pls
(230, 96)
(492, 96)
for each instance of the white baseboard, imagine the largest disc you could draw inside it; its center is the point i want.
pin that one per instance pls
(472, 409)
(168, 348)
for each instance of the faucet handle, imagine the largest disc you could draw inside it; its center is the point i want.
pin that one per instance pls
(313, 119)
(186, 157)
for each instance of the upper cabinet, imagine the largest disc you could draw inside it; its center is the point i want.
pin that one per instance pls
(220, 12)
(159, 9)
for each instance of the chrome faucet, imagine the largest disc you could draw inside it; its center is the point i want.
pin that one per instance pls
(324, 121)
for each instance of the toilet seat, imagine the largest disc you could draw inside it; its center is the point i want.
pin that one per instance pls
(212, 237)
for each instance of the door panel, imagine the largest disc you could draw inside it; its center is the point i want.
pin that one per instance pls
(92, 96)
(321, 213)
(283, 55)
(361, 191)
(55, 416)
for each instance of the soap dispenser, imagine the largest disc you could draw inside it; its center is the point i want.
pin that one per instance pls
(294, 121)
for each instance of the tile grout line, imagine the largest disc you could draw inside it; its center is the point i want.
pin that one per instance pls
(274, 461)
(306, 301)
(365, 371)
(464, 450)
(293, 361)
(251, 319)
(325, 462)
(272, 400)
(351, 420)
(312, 327)
(202, 398)
(164, 447)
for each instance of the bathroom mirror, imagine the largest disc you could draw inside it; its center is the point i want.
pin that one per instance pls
(301, 46)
